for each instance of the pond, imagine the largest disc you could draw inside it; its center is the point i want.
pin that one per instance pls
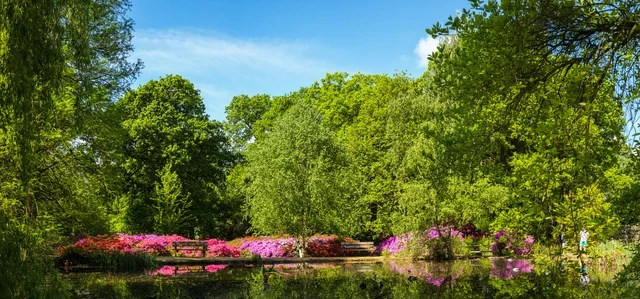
(484, 278)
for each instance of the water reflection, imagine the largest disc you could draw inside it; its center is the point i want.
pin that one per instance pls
(508, 268)
(170, 270)
(486, 278)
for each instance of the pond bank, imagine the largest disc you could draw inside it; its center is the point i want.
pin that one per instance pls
(173, 260)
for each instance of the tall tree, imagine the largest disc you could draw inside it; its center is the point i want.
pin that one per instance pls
(242, 114)
(61, 64)
(300, 179)
(166, 124)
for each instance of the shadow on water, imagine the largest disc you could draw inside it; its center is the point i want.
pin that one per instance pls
(486, 278)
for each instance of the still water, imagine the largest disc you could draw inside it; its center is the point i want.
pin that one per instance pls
(486, 278)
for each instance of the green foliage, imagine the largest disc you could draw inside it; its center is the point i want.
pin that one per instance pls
(172, 204)
(610, 254)
(300, 180)
(166, 125)
(26, 270)
(588, 208)
(242, 114)
(629, 278)
(109, 261)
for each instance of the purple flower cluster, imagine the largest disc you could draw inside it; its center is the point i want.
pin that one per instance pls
(432, 233)
(396, 244)
(149, 243)
(270, 247)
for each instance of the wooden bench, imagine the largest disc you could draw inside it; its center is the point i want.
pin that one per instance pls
(358, 246)
(191, 245)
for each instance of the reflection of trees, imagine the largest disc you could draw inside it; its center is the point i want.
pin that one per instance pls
(434, 273)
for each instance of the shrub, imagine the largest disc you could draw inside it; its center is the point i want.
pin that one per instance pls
(124, 252)
(507, 243)
(26, 271)
(325, 246)
(433, 243)
(270, 247)
(610, 253)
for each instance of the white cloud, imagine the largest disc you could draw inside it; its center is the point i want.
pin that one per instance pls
(222, 66)
(425, 47)
(181, 51)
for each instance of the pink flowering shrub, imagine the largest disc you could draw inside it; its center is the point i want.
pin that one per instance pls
(144, 244)
(507, 243)
(270, 247)
(322, 246)
(221, 248)
(430, 242)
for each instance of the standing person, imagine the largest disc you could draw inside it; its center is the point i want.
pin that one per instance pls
(584, 235)
(562, 240)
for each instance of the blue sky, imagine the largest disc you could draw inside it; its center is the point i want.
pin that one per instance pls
(228, 48)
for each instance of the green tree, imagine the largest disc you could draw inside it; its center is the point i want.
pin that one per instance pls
(171, 203)
(300, 179)
(166, 124)
(242, 114)
(520, 122)
(61, 64)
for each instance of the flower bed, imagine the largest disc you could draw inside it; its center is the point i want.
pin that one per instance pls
(143, 244)
(505, 243)
(398, 244)
(320, 246)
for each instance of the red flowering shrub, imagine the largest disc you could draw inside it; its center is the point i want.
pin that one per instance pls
(218, 248)
(142, 244)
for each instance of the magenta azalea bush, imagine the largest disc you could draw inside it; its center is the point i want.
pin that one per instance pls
(397, 244)
(507, 243)
(394, 244)
(324, 246)
(270, 247)
(147, 244)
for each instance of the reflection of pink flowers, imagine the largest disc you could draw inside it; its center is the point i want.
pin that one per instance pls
(505, 269)
(177, 270)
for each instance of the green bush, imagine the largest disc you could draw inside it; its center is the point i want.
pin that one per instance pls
(120, 262)
(26, 270)
(629, 278)
(610, 253)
